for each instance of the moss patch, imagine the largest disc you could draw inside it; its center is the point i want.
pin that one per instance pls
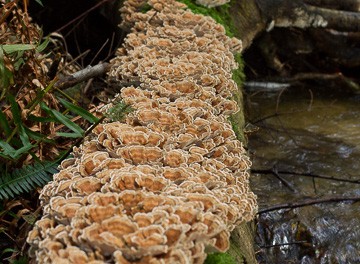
(220, 258)
(238, 74)
(220, 14)
(146, 7)
(237, 120)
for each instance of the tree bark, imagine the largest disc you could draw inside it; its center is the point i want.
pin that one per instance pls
(255, 16)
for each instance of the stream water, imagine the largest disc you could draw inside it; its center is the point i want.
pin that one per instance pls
(297, 135)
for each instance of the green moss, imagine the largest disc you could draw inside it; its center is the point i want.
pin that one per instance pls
(146, 7)
(238, 74)
(237, 120)
(219, 258)
(119, 111)
(220, 14)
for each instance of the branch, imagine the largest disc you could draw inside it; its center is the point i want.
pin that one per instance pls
(271, 171)
(278, 83)
(82, 75)
(308, 202)
(347, 5)
(335, 19)
(275, 172)
(294, 13)
(286, 244)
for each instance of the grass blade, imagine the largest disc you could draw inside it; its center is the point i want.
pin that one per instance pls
(79, 111)
(38, 136)
(7, 77)
(43, 45)
(15, 110)
(41, 119)
(22, 151)
(24, 137)
(69, 135)
(11, 48)
(67, 122)
(4, 124)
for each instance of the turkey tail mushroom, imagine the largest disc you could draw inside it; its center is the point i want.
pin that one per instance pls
(169, 180)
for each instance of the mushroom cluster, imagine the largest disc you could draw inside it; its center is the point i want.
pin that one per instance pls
(169, 181)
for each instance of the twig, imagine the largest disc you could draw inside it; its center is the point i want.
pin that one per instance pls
(111, 50)
(336, 19)
(270, 171)
(80, 56)
(8, 12)
(98, 52)
(82, 15)
(286, 244)
(278, 99)
(308, 202)
(306, 76)
(348, 5)
(311, 100)
(82, 75)
(275, 172)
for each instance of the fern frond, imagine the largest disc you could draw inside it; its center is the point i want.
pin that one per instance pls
(26, 179)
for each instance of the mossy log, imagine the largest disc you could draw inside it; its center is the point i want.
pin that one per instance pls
(235, 18)
(170, 182)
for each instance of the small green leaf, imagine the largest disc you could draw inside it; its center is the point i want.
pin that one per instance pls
(19, 152)
(4, 124)
(44, 107)
(15, 110)
(7, 77)
(7, 149)
(18, 64)
(43, 45)
(4, 194)
(39, 2)
(79, 111)
(29, 218)
(14, 189)
(9, 250)
(119, 111)
(67, 122)
(23, 136)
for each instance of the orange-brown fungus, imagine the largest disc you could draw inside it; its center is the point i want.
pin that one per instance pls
(171, 179)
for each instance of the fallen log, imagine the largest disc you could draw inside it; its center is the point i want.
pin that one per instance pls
(170, 182)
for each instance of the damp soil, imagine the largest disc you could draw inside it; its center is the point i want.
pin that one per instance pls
(299, 133)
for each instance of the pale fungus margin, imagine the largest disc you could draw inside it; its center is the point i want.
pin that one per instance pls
(171, 181)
